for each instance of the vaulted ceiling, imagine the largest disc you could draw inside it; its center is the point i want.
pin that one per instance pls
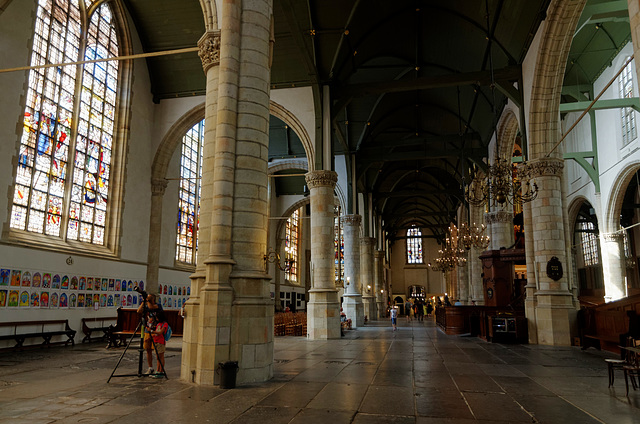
(415, 85)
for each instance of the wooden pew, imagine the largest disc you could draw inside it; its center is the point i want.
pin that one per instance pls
(103, 326)
(128, 320)
(45, 329)
(606, 326)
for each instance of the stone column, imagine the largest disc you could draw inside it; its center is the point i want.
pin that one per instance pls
(352, 299)
(476, 290)
(209, 53)
(500, 229)
(554, 312)
(323, 310)
(366, 277)
(158, 187)
(613, 266)
(531, 288)
(463, 283)
(378, 278)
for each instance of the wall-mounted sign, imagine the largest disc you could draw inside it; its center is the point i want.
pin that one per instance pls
(489, 293)
(554, 269)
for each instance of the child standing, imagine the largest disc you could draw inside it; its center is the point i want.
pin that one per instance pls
(158, 333)
(394, 317)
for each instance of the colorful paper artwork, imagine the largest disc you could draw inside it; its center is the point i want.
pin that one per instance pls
(188, 291)
(63, 302)
(110, 300)
(130, 286)
(82, 284)
(141, 285)
(118, 285)
(105, 285)
(112, 284)
(89, 283)
(88, 300)
(96, 283)
(80, 300)
(35, 299)
(116, 300)
(96, 299)
(55, 284)
(26, 279)
(65, 283)
(46, 280)
(13, 301)
(103, 300)
(129, 300)
(15, 277)
(37, 280)
(72, 300)
(44, 300)
(3, 298)
(4, 276)
(24, 299)
(74, 283)
(170, 290)
(53, 300)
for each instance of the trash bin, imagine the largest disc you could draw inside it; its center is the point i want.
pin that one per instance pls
(228, 371)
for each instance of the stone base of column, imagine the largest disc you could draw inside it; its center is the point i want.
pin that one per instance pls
(354, 309)
(555, 316)
(323, 314)
(369, 303)
(381, 313)
(530, 313)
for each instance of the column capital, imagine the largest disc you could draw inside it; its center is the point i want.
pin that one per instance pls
(498, 217)
(158, 186)
(368, 241)
(354, 220)
(378, 254)
(321, 178)
(541, 167)
(209, 49)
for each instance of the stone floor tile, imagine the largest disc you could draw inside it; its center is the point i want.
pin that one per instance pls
(293, 394)
(389, 400)
(323, 416)
(339, 396)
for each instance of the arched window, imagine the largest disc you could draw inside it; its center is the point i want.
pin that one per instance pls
(589, 242)
(62, 184)
(414, 246)
(339, 250)
(189, 196)
(291, 238)
(628, 115)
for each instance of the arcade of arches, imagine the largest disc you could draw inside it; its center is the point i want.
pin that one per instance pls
(321, 138)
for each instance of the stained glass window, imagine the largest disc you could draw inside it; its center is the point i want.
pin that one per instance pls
(292, 236)
(66, 122)
(589, 242)
(189, 196)
(628, 115)
(414, 246)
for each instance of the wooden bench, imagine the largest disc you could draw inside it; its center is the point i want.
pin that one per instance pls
(101, 325)
(47, 329)
(606, 326)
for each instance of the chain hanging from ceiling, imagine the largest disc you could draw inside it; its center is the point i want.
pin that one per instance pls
(457, 242)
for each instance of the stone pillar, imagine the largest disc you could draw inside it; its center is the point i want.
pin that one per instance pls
(366, 277)
(554, 311)
(531, 288)
(476, 290)
(463, 284)
(613, 266)
(352, 299)
(158, 187)
(500, 229)
(209, 53)
(323, 309)
(378, 278)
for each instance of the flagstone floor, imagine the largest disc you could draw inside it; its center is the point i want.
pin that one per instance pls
(372, 375)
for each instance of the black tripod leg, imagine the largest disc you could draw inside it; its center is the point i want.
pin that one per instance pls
(164, 372)
(124, 352)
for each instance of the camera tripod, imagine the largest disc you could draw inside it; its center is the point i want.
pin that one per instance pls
(142, 327)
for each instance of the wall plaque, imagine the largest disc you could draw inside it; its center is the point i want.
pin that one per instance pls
(554, 269)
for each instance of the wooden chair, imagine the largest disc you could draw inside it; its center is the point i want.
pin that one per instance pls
(631, 368)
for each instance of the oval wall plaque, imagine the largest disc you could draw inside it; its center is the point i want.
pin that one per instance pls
(554, 269)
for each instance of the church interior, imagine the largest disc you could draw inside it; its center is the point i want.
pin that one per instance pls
(285, 177)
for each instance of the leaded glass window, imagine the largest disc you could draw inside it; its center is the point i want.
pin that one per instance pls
(414, 246)
(628, 115)
(64, 163)
(292, 237)
(339, 252)
(589, 242)
(189, 196)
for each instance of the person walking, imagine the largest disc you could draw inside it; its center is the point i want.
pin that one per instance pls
(394, 317)
(408, 309)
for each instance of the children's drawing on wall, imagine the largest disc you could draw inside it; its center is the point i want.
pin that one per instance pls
(72, 300)
(116, 300)
(130, 285)
(74, 283)
(110, 300)
(37, 280)
(53, 300)
(44, 300)
(55, 284)
(65, 283)
(35, 299)
(63, 302)
(46, 280)
(105, 284)
(141, 284)
(24, 299)
(80, 300)
(82, 283)
(4, 276)
(89, 283)
(103, 300)
(118, 285)
(112, 284)
(3, 298)
(15, 277)
(13, 299)
(26, 279)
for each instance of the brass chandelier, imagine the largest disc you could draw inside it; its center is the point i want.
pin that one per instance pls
(457, 242)
(500, 186)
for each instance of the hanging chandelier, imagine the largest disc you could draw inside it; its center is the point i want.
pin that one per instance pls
(501, 186)
(469, 236)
